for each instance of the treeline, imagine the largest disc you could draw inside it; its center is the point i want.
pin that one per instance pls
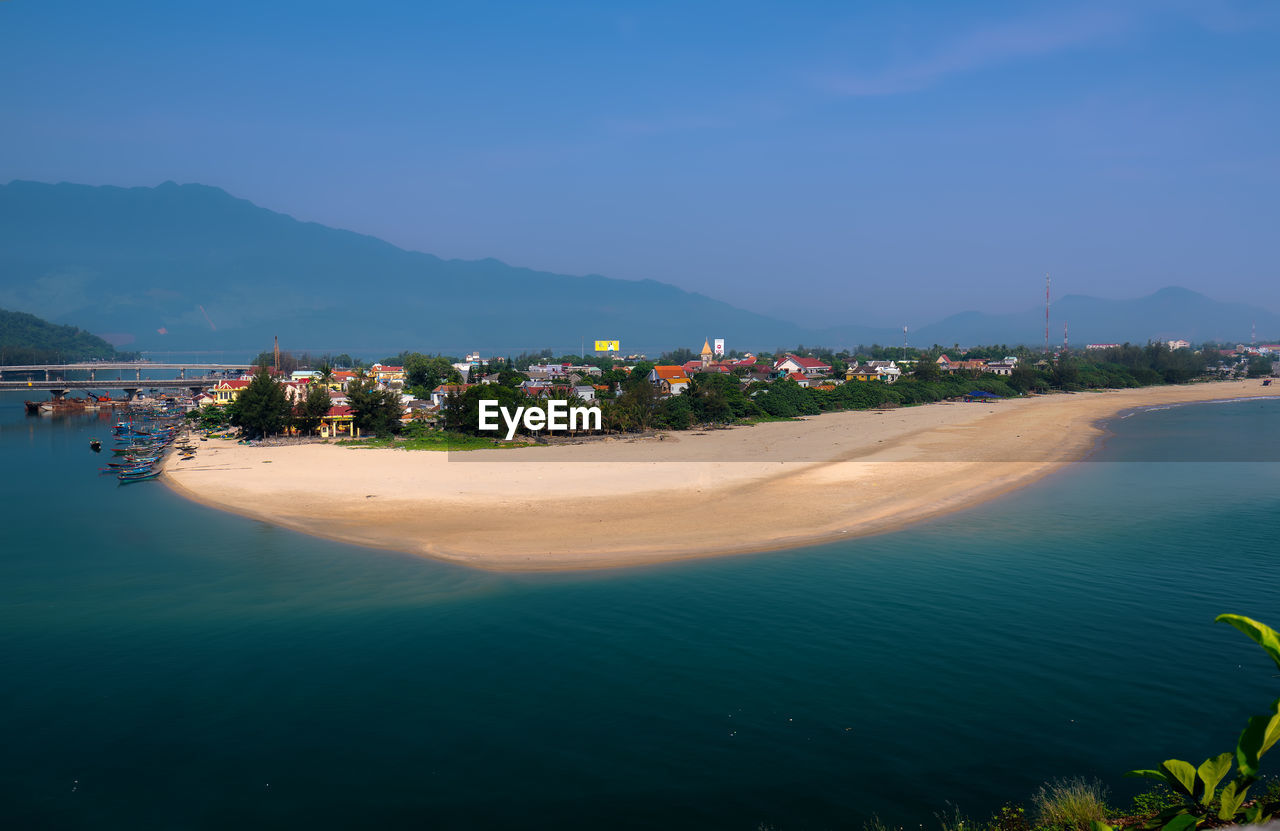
(27, 339)
(633, 404)
(264, 409)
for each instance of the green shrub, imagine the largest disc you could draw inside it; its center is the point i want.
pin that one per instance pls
(1149, 803)
(1010, 817)
(1070, 803)
(952, 820)
(1199, 800)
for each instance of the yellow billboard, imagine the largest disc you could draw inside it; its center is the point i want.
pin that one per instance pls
(608, 346)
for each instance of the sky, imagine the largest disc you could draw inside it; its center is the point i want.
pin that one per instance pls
(822, 162)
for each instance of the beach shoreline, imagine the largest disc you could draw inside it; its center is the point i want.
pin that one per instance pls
(629, 502)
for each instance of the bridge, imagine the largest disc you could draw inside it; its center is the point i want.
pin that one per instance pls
(136, 367)
(60, 386)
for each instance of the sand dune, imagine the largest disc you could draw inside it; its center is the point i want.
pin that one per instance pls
(621, 502)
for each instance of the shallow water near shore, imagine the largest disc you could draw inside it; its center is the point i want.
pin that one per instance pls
(166, 665)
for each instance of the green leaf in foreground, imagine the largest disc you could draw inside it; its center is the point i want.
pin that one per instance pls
(1261, 734)
(1182, 775)
(1211, 773)
(1232, 798)
(1264, 635)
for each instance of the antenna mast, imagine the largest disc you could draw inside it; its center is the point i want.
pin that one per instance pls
(904, 342)
(1064, 336)
(277, 354)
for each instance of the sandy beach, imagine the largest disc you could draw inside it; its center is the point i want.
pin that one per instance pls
(628, 501)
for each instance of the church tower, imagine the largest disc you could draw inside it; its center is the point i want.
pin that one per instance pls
(706, 354)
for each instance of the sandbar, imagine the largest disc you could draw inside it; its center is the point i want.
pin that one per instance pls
(627, 501)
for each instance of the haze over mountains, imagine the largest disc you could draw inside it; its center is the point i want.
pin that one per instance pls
(189, 267)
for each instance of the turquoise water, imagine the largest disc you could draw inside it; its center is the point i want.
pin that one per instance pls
(163, 665)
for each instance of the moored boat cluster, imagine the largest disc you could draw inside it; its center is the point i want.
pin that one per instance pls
(142, 442)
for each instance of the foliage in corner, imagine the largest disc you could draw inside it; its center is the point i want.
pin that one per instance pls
(1199, 800)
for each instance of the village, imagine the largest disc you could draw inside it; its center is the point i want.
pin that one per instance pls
(601, 377)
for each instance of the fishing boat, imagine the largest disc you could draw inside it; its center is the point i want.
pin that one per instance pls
(138, 477)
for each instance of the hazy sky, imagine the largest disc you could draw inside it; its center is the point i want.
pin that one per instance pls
(818, 161)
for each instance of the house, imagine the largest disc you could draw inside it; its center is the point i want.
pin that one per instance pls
(1178, 344)
(807, 366)
(861, 372)
(295, 390)
(1004, 367)
(548, 371)
(698, 366)
(585, 391)
(389, 376)
(440, 393)
(1089, 346)
(943, 362)
(799, 377)
(226, 391)
(670, 380)
(339, 421)
(418, 411)
(341, 378)
(887, 370)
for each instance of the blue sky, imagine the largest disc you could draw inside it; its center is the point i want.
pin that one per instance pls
(824, 162)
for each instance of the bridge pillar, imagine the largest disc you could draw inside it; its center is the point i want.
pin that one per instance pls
(138, 374)
(46, 375)
(130, 393)
(182, 374)
(93, 375)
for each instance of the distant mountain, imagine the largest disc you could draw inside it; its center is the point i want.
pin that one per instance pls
(1171, 313)
(190, 267)
(26, 339)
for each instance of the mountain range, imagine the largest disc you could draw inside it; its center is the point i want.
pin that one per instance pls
(191, 268)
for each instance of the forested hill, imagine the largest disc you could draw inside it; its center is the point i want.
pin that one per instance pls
(26, 339)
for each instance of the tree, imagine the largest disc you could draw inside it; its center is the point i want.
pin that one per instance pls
(926, 370)
(1259, 365)
(374, 410)
(288, 361)
(462, 411)
(424, 373)
(313, 408)
(262, 409)
(635, 408)
(1024, 377)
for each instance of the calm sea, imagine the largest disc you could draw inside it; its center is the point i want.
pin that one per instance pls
(166, 666)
